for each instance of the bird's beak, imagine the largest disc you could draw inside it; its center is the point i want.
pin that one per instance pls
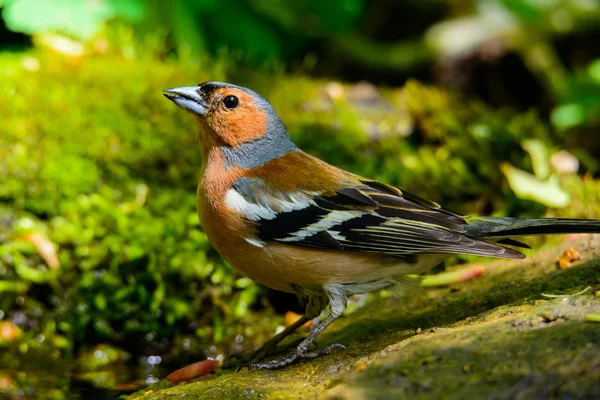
(188, 98)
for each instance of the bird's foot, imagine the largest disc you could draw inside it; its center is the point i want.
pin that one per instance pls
(297, 354)
(268, 348)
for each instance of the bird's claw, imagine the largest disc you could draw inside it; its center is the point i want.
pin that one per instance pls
(294, 356)
(252, 358)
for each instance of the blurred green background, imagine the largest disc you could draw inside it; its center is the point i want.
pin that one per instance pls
(107, 282)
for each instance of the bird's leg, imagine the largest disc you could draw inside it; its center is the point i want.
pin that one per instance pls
(302, 350)
(316, 301)
(337, 305)
(270, 346)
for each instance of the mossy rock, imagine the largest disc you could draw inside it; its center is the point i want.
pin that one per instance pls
(495, 337)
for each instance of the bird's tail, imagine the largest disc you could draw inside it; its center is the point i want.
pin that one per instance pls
(498, 228)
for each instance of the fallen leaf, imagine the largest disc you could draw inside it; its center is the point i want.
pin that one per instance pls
(291, 317)
(448, 278)
(6, 383)
(592, 317)
(192, 371)
(567, 257)
(9, 331)
(44, 247)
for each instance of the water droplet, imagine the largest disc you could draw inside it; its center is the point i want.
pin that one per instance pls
(239, 339)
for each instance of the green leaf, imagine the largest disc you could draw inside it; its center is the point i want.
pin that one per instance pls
(567, 116)
(34, 275)
(129, 10)
(187, 34)
(594, 70)
(539, 157)
(338, 16)
(259, 41)
(80, 19)
(14, 286)
(526, 186)
(526, 10)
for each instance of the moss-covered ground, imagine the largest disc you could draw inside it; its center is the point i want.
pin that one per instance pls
(497, 337)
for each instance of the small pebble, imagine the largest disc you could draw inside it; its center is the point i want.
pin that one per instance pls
(548, 316)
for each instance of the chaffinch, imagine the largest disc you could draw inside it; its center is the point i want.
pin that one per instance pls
(294, 223)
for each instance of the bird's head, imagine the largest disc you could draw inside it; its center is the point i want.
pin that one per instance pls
(235, 118)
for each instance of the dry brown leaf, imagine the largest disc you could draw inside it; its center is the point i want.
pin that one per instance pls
(291, 317)
(9, 331)
(192, 371)
(567, 257)
(45, 248)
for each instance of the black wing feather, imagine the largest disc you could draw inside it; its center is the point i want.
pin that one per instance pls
(381, 219)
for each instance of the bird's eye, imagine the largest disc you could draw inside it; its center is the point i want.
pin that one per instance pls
(231, 102)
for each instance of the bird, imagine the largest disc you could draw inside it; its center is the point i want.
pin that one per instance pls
(294, 223)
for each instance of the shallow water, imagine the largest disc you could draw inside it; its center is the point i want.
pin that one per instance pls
(40, 376)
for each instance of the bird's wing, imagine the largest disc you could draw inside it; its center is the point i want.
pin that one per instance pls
(364, 217)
